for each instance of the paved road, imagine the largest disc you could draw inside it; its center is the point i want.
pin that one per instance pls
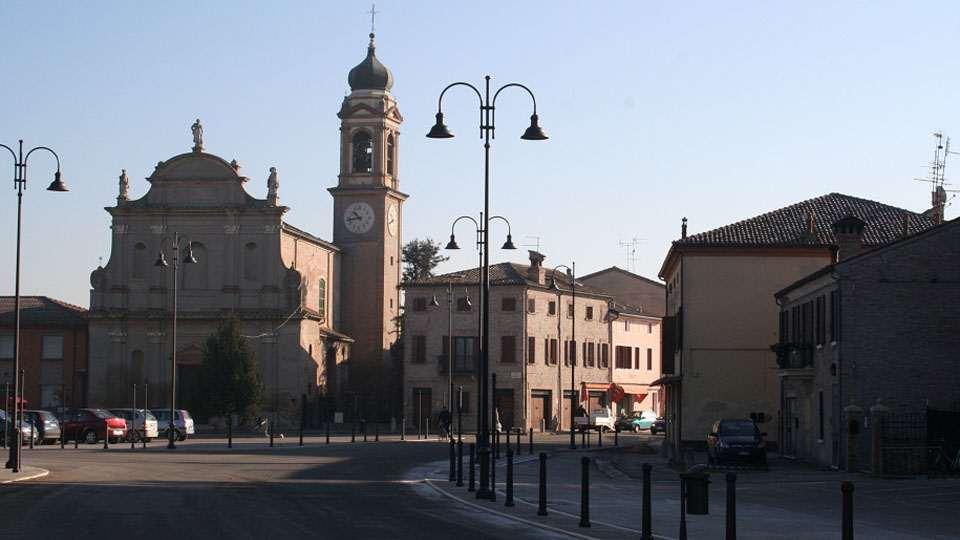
(202, 490)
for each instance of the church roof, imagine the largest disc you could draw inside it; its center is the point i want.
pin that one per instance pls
(309, 237)
(42, 311)
(370, 74)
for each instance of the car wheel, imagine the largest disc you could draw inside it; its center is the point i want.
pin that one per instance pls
(133, 436)
(90, 437)
(180, 436)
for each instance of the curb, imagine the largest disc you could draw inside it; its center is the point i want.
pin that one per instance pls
(39, 474)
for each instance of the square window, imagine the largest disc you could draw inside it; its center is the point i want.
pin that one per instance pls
(570, 310)
(52, 347)
(531, 306)
(508, 303)
(589, 313)
(420, 304)
(6, 346)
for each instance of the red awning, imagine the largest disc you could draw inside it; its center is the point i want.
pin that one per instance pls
(635, 389)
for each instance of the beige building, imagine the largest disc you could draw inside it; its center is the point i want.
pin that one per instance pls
(319, 315)
(720, 317)
(533, 350)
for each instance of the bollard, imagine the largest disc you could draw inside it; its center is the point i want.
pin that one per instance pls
(496, 445)
(584, 491)
(353, 432)
(427, 426)
(509, 501)
(376, 433)
(328, 432)
(583, 438)
(616, 437)
(731, 506)
(76, 440)
(403, 428)
(517, 451)
(683, 509)
(645, 533)
(542, 503)
(106, 438)
(453, 464)
(270, 429)
(530, 443)
(303, 415)
(31, 433)
(62, 441)
(493, 478)
(363, 428)
(230, 431)
(846, 488)
(599, 437)
(472, 482)
(459, 463)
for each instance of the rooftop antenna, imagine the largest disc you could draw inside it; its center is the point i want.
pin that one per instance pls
(937, 175)
(631, 248)
(535, 244)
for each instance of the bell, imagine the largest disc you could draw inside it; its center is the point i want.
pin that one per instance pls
(534, 133)
(439, 130)
(452, 244)
(57, 184)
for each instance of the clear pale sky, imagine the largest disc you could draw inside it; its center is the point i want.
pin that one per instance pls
(714, 111)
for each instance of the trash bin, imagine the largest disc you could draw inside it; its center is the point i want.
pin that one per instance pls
(697, 481)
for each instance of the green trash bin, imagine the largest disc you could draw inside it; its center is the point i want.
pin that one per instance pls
(697, 481)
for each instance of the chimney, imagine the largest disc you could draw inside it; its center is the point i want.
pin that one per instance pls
(938, 200)
(536, 272)
(905, 225)
(848, 233)
(683, 228)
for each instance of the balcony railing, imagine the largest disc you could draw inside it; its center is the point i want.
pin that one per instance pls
(460, 366)
(793, 355)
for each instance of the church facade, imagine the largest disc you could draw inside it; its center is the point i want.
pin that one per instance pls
(319, 315)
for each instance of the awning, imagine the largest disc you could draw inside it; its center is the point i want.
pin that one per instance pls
(667, 380)
(635, 389)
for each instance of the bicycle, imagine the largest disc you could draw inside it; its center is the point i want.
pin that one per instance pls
(942, 462)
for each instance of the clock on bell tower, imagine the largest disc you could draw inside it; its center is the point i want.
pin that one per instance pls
(367, 214)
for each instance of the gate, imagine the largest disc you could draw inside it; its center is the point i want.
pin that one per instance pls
(903, 444)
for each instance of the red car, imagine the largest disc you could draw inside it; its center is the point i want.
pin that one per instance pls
(93, 425)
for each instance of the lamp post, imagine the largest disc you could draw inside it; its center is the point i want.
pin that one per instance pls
(487, 127)
(162, 263)
(20, 183)
(572, 355)
(434, 302)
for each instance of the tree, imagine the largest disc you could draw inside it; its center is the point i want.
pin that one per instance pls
(420, 257)
(229, 375)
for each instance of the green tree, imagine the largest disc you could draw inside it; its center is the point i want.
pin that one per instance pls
(420, 257)
(229, 376)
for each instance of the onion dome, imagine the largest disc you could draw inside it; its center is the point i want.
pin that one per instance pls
(370, 74)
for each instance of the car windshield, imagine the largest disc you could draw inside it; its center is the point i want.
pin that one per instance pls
(100, 413)
(738, 427)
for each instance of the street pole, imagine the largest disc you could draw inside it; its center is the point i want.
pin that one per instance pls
(450, 345)
(573, 352)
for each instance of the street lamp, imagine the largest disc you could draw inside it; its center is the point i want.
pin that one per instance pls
(162, 263)
(20, 183)
(571, 273)
(436, 303)
(487, 127)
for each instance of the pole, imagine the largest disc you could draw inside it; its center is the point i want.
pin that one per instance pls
(574, 400)
(133, 445)
(493, 418)
(20, 180)
(229, 430)
(328, 433)
(63, 410)
(453, 462)
(731, 517)
(403, 427)
(460, 463)
(542, 503)
(143, 440)
(645, 526)
(484, 449)
(6, 410)
(530, 443)
(450, 345)
(303, 415)
(584, 491)
(460, 415)
(683, 509)
(471, 479)
(173, 356)
(509, 501)
(846, 488)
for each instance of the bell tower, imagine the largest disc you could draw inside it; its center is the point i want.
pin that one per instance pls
(367, 217)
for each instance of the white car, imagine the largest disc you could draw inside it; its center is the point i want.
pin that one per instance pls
(182, 423)
(136, 430)
(602, 419)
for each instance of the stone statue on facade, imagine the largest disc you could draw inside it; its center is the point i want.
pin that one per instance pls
(273, 184)
(124, 193)
(197, 130)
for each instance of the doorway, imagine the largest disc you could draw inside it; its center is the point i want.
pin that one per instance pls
(422, 410)
(791, 423)
(541, 416)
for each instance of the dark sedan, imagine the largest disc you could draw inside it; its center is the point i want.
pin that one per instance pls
(736, 440)
(658, 426)
(46, 423)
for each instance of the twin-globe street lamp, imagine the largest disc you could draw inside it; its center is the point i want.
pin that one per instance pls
(162, 262)
(20, 182)
(487, 127)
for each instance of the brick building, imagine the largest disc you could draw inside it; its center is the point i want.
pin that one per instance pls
(532, 350)
(878, 327)
(53, 350)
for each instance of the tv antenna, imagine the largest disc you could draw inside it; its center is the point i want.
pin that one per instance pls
(937, 175)
(535, 243)
(631, 248)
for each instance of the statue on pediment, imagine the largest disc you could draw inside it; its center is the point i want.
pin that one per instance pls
(197, 130)
(273, 184)
(124, 193)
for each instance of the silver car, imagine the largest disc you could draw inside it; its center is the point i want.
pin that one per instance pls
(136, 431)
(182, 423)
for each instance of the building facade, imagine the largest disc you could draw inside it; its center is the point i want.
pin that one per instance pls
(53, 351)
(720, 320)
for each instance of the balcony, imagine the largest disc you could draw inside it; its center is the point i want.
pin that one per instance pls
(461, 366)
(793, 355)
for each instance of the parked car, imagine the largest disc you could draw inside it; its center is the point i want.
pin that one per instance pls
(93, 425)
(47, 425)
(658, 426)
(26, 430)
(602, 419)
(636, 421)
(136, 431)
(182, 423)
(736, 440)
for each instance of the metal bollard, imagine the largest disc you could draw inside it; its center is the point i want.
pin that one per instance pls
(583, 438)
(472, 478)
(542, 503)
(530, 443)
(645, 533)
(403, 428)
(616, 437)
(270, 429)
(353, 433)
(846, 488)
(453, 465)
(76, 440)
(599, 437)
(584, 491)
(363, 428)
(517, 451)
(459, 463)
(683, 509)
(328, 432)
(106, 439)
(509, 501)
(229, 431)
(496, 444)
(62, 441)
(731, 506)
(376, 433)
(32, 427)
(493, 478)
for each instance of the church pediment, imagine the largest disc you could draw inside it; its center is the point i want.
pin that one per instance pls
(195, 166)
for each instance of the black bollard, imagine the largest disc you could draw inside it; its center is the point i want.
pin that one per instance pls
(584, 491)
(270, 429)
(31, 433)
(229, 431)
(616, 437)
(353, 432)
(376, 433)
(76, 440)
(453, 463)
(583, 438)
(106, 439)
(303, 415)
(509, 501)
(403, 428)
(530, 443)
(328, 432)
(493, 478)
(645, 519)
(472, 480)
(62, 441)
(496, 444)
(599, 437)
(363, 428)
(683, 509)
(517, 451)
(542, 504)
(459, 463)
(731, 506)
(846, 488)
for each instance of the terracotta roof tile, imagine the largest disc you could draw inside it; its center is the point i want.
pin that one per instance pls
(42, 311)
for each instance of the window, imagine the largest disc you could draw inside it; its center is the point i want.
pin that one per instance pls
(636, 358)
(570, 310)
(419, 349)
(139, 260)
(589, 313)
(420, 304)
(531, 306)
(621, 357)
(820, 319)
(6, 346)
(820, 412)
(589, 354)
(649, 328)
(605, 355)
(508, 303)
(465, 350)
(463, 304)
(362, 152)
(570, 353)
(322, 299)
(508, 349)
(626, 326)
(390, 154)
(834, 316)
(531, 350)
(52, 348)
(251, 268)
(553, 352)
(551, 308)
(649, 359)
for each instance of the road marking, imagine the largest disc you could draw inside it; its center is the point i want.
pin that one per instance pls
(39, 474)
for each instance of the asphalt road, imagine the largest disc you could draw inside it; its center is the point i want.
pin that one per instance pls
(203, 490)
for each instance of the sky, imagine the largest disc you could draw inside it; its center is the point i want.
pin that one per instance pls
(655, 111)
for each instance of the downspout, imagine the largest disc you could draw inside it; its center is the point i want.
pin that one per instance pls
(841, 445)
(682, 345)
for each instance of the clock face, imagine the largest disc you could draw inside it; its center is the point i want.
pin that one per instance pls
(392, 220)
(358, 217)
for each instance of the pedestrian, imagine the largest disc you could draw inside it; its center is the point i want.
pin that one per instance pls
(444, 423)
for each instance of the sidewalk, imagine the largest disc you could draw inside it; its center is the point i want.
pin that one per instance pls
(26, 473)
